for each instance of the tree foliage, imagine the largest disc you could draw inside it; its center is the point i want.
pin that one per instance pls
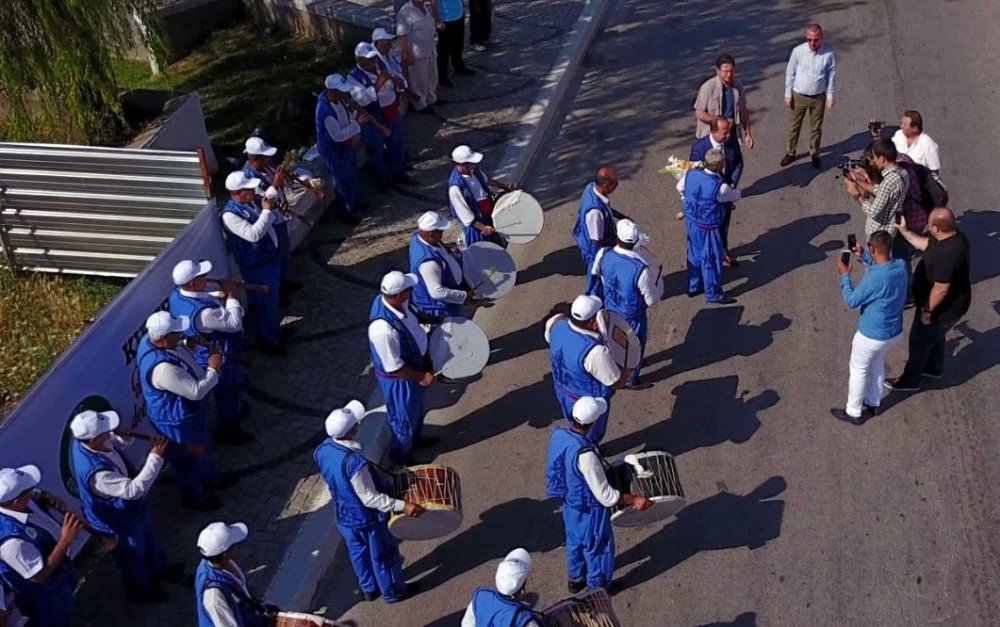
(57, 79)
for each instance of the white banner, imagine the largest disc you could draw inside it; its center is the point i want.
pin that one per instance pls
(100, 370)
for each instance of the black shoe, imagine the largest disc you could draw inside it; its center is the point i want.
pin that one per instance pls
(615, 587)
(208, 504)
(441, 101)
(446, 82)
(225, 481)
(575, 587)
(429, 110)
(695, 294)
(146, 597)
(290, 287)
(425, 443)
(371, 596)
(284, 300)
(840, 414)
(173, 574)
(447, 380)
(644, 385)
(931, 375)
(407, 180)
(349, 219)
(787, 160)
(729, 260)
(817, 163)
(287, 331)
(726, 300)
(898, 386)
(274, 350)
(874, 410)
(409, 591)
(465, 71)
(234, 439)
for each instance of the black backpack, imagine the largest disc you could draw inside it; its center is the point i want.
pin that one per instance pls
(933, 192)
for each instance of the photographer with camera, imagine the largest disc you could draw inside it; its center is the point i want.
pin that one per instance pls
(888, 195)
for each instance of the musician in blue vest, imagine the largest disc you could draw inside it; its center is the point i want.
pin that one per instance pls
(222, 596)
(254, 244)
(399, 355)
(575, 474)
(216, 317)
(439, 290)
(174, 387)
(582, 364)
(705, 196)
(362, 507)
(628, 284)
(720, 137)
(470, 199)
(595, 222)
(500, 607)
(376, 89)
(35, 548)
(113, 496)
(338, 125)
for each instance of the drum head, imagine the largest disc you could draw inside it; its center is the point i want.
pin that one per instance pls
(518, 216)
(458, 348)
(663, 508)
(489, 270)
(434, 523)
(620, 338)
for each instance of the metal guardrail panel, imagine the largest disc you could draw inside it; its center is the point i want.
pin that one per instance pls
(95, 210)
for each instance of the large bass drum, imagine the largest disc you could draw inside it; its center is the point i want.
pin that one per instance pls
(489, 270)
(590, 609)
(458, 348)
(652, 474)
(621, 338)
(435, 488)
(518, 217)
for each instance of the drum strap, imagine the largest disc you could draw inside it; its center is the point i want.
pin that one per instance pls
(386, 375)
(573, 397)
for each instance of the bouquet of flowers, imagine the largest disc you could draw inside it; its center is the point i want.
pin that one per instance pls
(678, 167)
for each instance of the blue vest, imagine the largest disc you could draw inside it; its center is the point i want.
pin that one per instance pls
(164, 407)
(109, 515)
(249, 254)
(338, 464)
(568, 349)
(192, 306)
(492, 609)
(248, 611)
(590, 200)
(30, 594)
(700, 204)
(470, 198)
(620, 276)
(324, 143)
(563, 478)
(422, 299)
(362, 77)
(409, 351)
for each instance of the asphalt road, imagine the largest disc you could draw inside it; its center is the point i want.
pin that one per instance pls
(794, 518)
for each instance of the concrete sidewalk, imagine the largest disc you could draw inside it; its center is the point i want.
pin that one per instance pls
(341, 268)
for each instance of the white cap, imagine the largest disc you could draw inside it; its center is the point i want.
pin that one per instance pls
(90, 424)
(237, 180)
(587, 409)
(188, 270)
(513, 571)
(464, 154)
(585, 307)
(381, 34)
(162, 323)
(396, 282)
(219, 537)
(365, 50)
(340, 421)
(257, 146)
(15, 481)
(627, 231)
(338, 82)
(432, 221)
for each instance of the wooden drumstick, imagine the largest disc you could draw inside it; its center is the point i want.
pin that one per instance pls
(489, 275)
(452, 361)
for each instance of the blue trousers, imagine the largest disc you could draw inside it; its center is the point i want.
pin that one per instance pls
(386, 154)
(640, 324)
(594, 287)
(395, 149)
(138, 555)
(284, 246)
(705, 254)
(264, 315)
(343, 166)
(193, 473)
(404, 402)
(590, 545)
(597, 430)
(472, 235)
(374, 554)
(228, 397)
(49, 604)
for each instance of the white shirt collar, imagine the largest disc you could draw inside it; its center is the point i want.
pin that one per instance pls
(354, 445)
(606, 200)
(627, 252)
(21, 517)
(715, 144)
(584, 331)
(399, 314)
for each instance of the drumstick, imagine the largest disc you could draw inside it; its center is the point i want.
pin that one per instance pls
(492, 271)
(454, 360)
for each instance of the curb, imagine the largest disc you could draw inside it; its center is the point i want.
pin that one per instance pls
(316, 544)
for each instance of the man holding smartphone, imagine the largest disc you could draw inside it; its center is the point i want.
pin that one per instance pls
(880, 294)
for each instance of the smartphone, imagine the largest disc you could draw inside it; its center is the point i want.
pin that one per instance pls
(852, 241)
(845, 257)
(899, 217)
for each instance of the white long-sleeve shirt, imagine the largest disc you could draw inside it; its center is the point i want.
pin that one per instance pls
(725, 193)
(593, 473)
(598, 362)
(251, 231)
(647, 282)
(228, 319)
(364, 96)
(21, 555)
(364, 486)
(341, 126)
(594, 219)
(457, 198)
(386, 340)
(811, 73)
(923, 151)
(118, 484)
(469, 619)
(431, 273)
(214, 599)
(176, 380)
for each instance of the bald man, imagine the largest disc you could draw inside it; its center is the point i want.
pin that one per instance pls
(595, 223)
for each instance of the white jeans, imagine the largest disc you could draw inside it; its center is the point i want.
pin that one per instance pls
(423, 77)
(867, 372)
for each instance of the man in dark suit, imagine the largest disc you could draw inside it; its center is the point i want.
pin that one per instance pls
(720, 138)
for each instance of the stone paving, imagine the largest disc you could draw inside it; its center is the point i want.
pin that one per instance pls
(326, 366)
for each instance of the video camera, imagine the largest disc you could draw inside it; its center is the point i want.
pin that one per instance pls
(849, 164)
(875, 128)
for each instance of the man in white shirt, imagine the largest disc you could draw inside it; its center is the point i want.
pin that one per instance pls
(417, 25)
(439, 290)
(574, 474)
(500, 606)
(221, 592)
(113, 496)
(469, 196)
(402, 367)
(361, 505)
(809, 88)
(337, 127)
(391, 56)
(216, 317)
(174, 387)
(35, 549)
(912, 141)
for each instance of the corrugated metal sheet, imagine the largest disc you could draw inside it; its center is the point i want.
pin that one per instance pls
(93, 210)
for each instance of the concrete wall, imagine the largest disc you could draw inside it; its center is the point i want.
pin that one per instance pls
(180, 126)
(340, 21)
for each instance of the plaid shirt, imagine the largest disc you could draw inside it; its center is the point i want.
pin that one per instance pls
(889, 197)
